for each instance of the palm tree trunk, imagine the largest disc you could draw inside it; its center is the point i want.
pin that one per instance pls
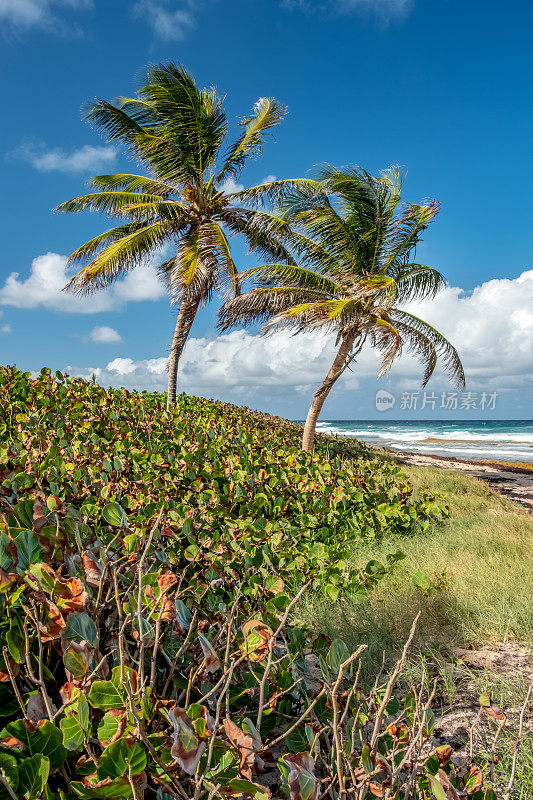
(184, 323)
(337, 368)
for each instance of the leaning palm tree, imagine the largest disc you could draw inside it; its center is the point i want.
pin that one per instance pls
(176, 131)
(354, 242)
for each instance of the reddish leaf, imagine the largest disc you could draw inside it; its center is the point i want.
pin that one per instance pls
(12, 742)
(166, 581)
(187, 749)
(443, 753)
(93, 572)
(69, 692)
(245, 745)
(473, 779)
(303, 785)
(257, 638)
(449, 789)
(492, 709)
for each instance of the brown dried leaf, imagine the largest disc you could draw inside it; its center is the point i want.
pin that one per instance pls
(303, 784)
(245, 745)
(166, 581)
(36, 709)
(93, 572)
(187, 749)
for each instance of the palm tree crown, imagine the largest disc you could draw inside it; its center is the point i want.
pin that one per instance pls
(353, 242)
(177, 131)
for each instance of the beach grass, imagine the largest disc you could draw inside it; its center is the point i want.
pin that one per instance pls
(473, 575)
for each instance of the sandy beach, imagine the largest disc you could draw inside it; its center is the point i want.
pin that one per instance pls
(514, 482)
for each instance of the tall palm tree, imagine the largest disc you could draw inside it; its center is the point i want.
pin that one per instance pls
(176, 131)
(353, 241)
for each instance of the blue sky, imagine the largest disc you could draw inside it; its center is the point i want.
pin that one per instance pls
(441, 88)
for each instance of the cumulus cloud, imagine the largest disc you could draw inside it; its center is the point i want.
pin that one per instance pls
(230, 185)
(6, 328)
(20, 14)
(86, 159)
(102, 334)
(43, 288)
(492, 327)
(167, 23)
(238, 361)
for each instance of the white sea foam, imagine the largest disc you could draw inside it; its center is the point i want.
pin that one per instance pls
(503, 440)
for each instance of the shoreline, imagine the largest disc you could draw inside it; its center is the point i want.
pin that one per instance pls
(513, 482)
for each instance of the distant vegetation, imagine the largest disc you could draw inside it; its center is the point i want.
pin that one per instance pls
(150, 567)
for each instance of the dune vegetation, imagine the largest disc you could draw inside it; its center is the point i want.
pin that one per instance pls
(153, 569)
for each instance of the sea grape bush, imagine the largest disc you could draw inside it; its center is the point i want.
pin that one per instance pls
(239, 498)
(147, 566)
(122, 678)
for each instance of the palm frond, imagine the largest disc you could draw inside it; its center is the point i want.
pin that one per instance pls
(119, 257)
(192, 121)
(417, 281)
(132, 183)
(386, 338)
(261, 305)
(194, 273)
(91, 247)
(229, 273)
(267, 113)
(413, 328)
(110, 203)
(274, 192)
(265, 233)
(292, 275)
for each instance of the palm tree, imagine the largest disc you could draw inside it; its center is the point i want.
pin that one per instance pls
(176, 131)
(353, 241)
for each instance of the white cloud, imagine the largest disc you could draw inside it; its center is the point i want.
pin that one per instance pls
(230, 185)
(43, 287)
(492, 327)
(167, 23)
(140, 284)
(386, 9)
(102, 334)
(238, 361)
(6, 328)
(36, 13)
(86, 159)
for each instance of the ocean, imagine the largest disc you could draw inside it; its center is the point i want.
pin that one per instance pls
(475, 440)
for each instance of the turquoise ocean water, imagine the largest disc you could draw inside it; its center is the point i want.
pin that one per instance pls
(476, 440)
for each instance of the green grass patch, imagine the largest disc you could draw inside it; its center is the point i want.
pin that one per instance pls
(471, 577)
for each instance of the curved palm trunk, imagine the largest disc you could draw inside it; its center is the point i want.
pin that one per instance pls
(184, 322)
(337, 368)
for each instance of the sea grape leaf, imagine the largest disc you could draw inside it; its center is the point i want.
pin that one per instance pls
(80, 627)
(46, 740)
(114, 514)
(29, 551)
(33, 776)
(120, 757)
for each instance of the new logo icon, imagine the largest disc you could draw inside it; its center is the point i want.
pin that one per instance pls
(384, 400)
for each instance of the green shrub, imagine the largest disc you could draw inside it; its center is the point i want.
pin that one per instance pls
(121, 677)
(147, 566)
(239, 497)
